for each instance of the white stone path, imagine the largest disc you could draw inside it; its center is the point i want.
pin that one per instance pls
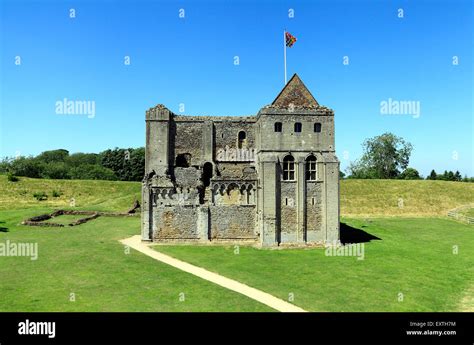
(136, 243)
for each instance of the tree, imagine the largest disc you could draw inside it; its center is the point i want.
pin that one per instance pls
(26, 166)
(92, 172)
(114, 160)
(432, 175)
(53, 156)
(5, 165)
(384, 156)
(359, 169)
(450, 176)
(443, 177)
(127, 164)
(55, 170)
(409, 174)
(77, 159)
(457, 176)
(137, 164)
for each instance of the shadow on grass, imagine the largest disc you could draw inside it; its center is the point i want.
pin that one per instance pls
(350, 234)
(2, 228)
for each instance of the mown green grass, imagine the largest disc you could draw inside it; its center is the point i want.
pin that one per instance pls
(468, 212)
(86, 194)
(414, 257)
(88, 260)
(425, 198)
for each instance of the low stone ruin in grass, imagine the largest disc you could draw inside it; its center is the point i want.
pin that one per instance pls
(45, 219)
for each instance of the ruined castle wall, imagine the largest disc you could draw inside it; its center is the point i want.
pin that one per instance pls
(288, 211)
(188, 199)
(236, 170)
(314, 211)
(332, 199)
(177, 222)
(233, 222)
(288, 139)
(226, 133)
(187, 138)
(187, 177)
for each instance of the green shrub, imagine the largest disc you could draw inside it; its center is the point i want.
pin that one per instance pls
(12, 178)
(40, 196)
(55, 170)
(26, 166)
(127, 164)
(78, 159)
(92, 172)
(409, 174)
(56, 194)
(53, 156)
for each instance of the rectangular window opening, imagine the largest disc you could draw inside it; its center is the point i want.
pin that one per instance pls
(298, 127)
(317, 127)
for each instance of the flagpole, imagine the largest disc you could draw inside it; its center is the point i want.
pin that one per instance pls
(284, 50)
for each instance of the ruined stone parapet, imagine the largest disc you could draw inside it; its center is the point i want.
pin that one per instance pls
(159, 112)
(204, 118)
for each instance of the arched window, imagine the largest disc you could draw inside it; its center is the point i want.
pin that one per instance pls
(311, 168)
(242, 139)
(288, 168)
(298, 127)
(278, 126)
(317, 127)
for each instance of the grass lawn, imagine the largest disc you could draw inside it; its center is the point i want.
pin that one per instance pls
(469, 212)
(87, 194)
(414, 257)
(420, 198)
(88, 260)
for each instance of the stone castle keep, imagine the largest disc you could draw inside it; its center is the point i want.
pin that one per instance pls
(272, 178)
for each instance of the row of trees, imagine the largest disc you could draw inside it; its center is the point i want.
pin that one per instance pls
(116, 164)
(387, 156)
(384, 157)
(449, 176)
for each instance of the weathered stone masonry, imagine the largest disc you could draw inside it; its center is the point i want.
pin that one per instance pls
(271, 178)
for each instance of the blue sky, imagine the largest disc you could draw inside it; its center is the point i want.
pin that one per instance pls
(190, 60)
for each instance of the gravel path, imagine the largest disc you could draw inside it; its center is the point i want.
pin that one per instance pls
(257, 295)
